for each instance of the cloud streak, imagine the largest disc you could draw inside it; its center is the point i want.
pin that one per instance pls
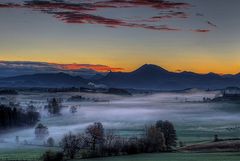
(201, 30)
(87, 12)
(13, 68)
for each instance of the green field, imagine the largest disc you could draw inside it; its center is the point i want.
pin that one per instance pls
(31, 154)
(20, 155)
(174, 157)
(35, 154)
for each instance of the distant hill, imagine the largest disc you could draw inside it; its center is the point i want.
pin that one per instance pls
(151, 76)
(44, 80)
(147, 77)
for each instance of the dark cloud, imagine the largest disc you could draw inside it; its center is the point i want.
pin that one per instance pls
(10, 5)
(201, 30)
(58, 5)
(86, 12)
(211, 24)
(169, 15)
(72, 17)
(158, 4)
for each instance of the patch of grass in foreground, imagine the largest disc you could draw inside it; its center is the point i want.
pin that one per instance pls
(31, 154)
(173, 157)
(25, 154)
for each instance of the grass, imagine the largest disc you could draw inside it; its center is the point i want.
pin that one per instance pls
(31, 154)
(173, 157)
(34, 155)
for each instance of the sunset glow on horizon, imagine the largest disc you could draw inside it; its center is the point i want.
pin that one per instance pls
(178, 35)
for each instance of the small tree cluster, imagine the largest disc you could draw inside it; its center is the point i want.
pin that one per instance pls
(41, 131)
(54, 106)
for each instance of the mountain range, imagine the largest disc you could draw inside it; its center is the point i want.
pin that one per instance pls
(148, 76)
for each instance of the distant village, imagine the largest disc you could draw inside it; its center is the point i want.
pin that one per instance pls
(228, 94)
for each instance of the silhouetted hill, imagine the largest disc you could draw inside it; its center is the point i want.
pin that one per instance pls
(154, 77)
(44, 80)
(146, 77)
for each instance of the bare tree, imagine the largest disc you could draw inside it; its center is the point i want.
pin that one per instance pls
(110, 137)
(72, 144)
(95, 135)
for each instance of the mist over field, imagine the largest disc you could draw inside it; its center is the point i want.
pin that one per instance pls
(128, 115)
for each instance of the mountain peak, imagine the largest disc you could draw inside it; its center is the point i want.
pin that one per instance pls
(150, 68)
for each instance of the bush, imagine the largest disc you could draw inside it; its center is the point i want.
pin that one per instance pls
(52, 156)
(50, 142)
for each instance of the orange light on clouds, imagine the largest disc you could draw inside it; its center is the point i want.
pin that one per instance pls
(99, 68)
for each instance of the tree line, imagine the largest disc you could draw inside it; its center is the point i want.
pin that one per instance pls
(11, 116)
(98, 142)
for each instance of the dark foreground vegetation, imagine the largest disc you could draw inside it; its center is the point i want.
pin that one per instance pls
(97, 142)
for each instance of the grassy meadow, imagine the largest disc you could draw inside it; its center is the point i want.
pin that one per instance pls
(174, 157)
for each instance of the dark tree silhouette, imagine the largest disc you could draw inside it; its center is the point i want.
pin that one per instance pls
(16, 117)
(72, 144)
(154, 140)
(50, 142)
(169, 133)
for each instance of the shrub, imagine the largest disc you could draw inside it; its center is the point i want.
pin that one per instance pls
(50, 142)
(52, 156)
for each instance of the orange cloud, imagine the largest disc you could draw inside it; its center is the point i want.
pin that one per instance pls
(98, 68)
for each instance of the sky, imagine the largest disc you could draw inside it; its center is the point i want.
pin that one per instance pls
(120, 35)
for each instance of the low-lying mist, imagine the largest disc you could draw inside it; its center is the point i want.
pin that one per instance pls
(193, 118)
